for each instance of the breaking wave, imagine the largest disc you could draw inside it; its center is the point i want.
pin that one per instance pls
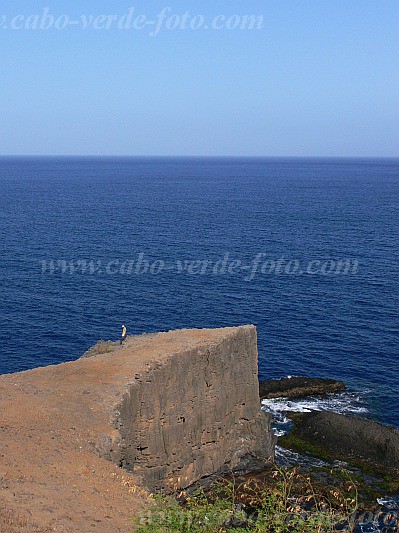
(345, 403)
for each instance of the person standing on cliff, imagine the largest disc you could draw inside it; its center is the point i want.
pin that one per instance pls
(124, 333)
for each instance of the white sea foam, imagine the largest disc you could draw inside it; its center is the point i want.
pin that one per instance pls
(389, 503)
(344, 403)
(286, 457)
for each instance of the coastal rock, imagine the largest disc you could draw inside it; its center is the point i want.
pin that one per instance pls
(351, 437)
(298, 387)
(196, 414)
(171, 408)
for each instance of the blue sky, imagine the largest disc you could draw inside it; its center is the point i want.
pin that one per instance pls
(320, 78)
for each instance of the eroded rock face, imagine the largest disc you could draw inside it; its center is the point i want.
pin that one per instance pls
(181, 404)
(195, 414)
(298, 387)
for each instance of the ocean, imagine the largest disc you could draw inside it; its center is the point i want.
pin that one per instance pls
(306, 249)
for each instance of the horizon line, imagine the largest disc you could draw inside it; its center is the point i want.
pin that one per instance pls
(130, 156)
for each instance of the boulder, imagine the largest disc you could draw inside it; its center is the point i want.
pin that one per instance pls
(298, 387)
(350, 437)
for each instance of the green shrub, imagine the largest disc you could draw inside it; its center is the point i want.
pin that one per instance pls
(255, 507)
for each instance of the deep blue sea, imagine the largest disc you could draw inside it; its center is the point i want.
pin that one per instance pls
(289, 221)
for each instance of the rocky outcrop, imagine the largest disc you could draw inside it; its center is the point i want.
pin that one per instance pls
(298, 387)
(350, 437)
(171, 408)
(195, 414)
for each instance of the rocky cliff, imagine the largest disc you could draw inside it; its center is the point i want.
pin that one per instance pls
(171, 408)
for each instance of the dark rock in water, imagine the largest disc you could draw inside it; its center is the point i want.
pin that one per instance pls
(351, 437)
(298, 387)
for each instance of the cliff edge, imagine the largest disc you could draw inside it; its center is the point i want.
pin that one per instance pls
(82, 442)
